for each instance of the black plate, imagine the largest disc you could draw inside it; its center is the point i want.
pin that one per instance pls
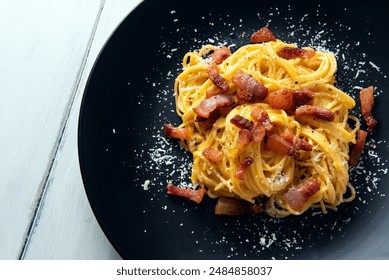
(130, 95)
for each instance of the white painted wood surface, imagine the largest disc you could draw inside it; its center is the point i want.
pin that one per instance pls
(47, 51)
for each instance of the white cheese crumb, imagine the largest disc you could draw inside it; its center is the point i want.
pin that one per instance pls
(146, 185)
(374, 66)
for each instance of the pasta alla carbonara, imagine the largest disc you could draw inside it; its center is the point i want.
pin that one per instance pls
(266, 124)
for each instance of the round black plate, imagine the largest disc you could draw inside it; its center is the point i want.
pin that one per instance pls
(129, 96)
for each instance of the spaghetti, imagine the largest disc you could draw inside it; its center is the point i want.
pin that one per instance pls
(278, 167)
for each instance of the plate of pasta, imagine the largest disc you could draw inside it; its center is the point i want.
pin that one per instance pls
(254, 131)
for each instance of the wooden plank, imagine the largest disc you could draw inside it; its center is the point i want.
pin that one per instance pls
(43, 46)
(66, 211)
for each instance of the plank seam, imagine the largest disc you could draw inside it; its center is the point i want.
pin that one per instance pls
(44, 185)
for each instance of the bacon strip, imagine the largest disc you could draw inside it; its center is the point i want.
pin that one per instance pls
(216, 78)
(302, 96)
(297, 196)
(288, 99)
(279, 145)
(212, 155)
(259, 114)
(315, 112)
(244, 137)
(252, 131)
(241, 122)
(236, 207)
(262, 35)
(357, 149)
(282, 99)
(175, 132)
(297, 142)
(213, 116)
(210, 104)
(258, 132)
(242, 167)
(249, 89)
(367, 102)
(221, 54)
(291, 52)
(193, 195)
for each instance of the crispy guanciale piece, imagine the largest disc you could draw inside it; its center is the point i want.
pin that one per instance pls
(194, 195)
(367, 102)
(235, 207)
(208, 123)
(297, 142)
(291, 52)
(302, 96)
(221, 54)
(244, 137)
(262, 35)
(242, 167)
(258, 132)
(214, 115)
(260, 115)
(288, 99)
(175, 132)
(297, 196)
(210, 104)
(279, 145)
(241, 122)
(248, 89)
(212, 155)
(252, 130)
(357, 148)
(315, 112)
(282, 99)
(216, 78)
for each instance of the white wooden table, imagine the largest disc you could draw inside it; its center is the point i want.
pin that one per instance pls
(47, 51)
